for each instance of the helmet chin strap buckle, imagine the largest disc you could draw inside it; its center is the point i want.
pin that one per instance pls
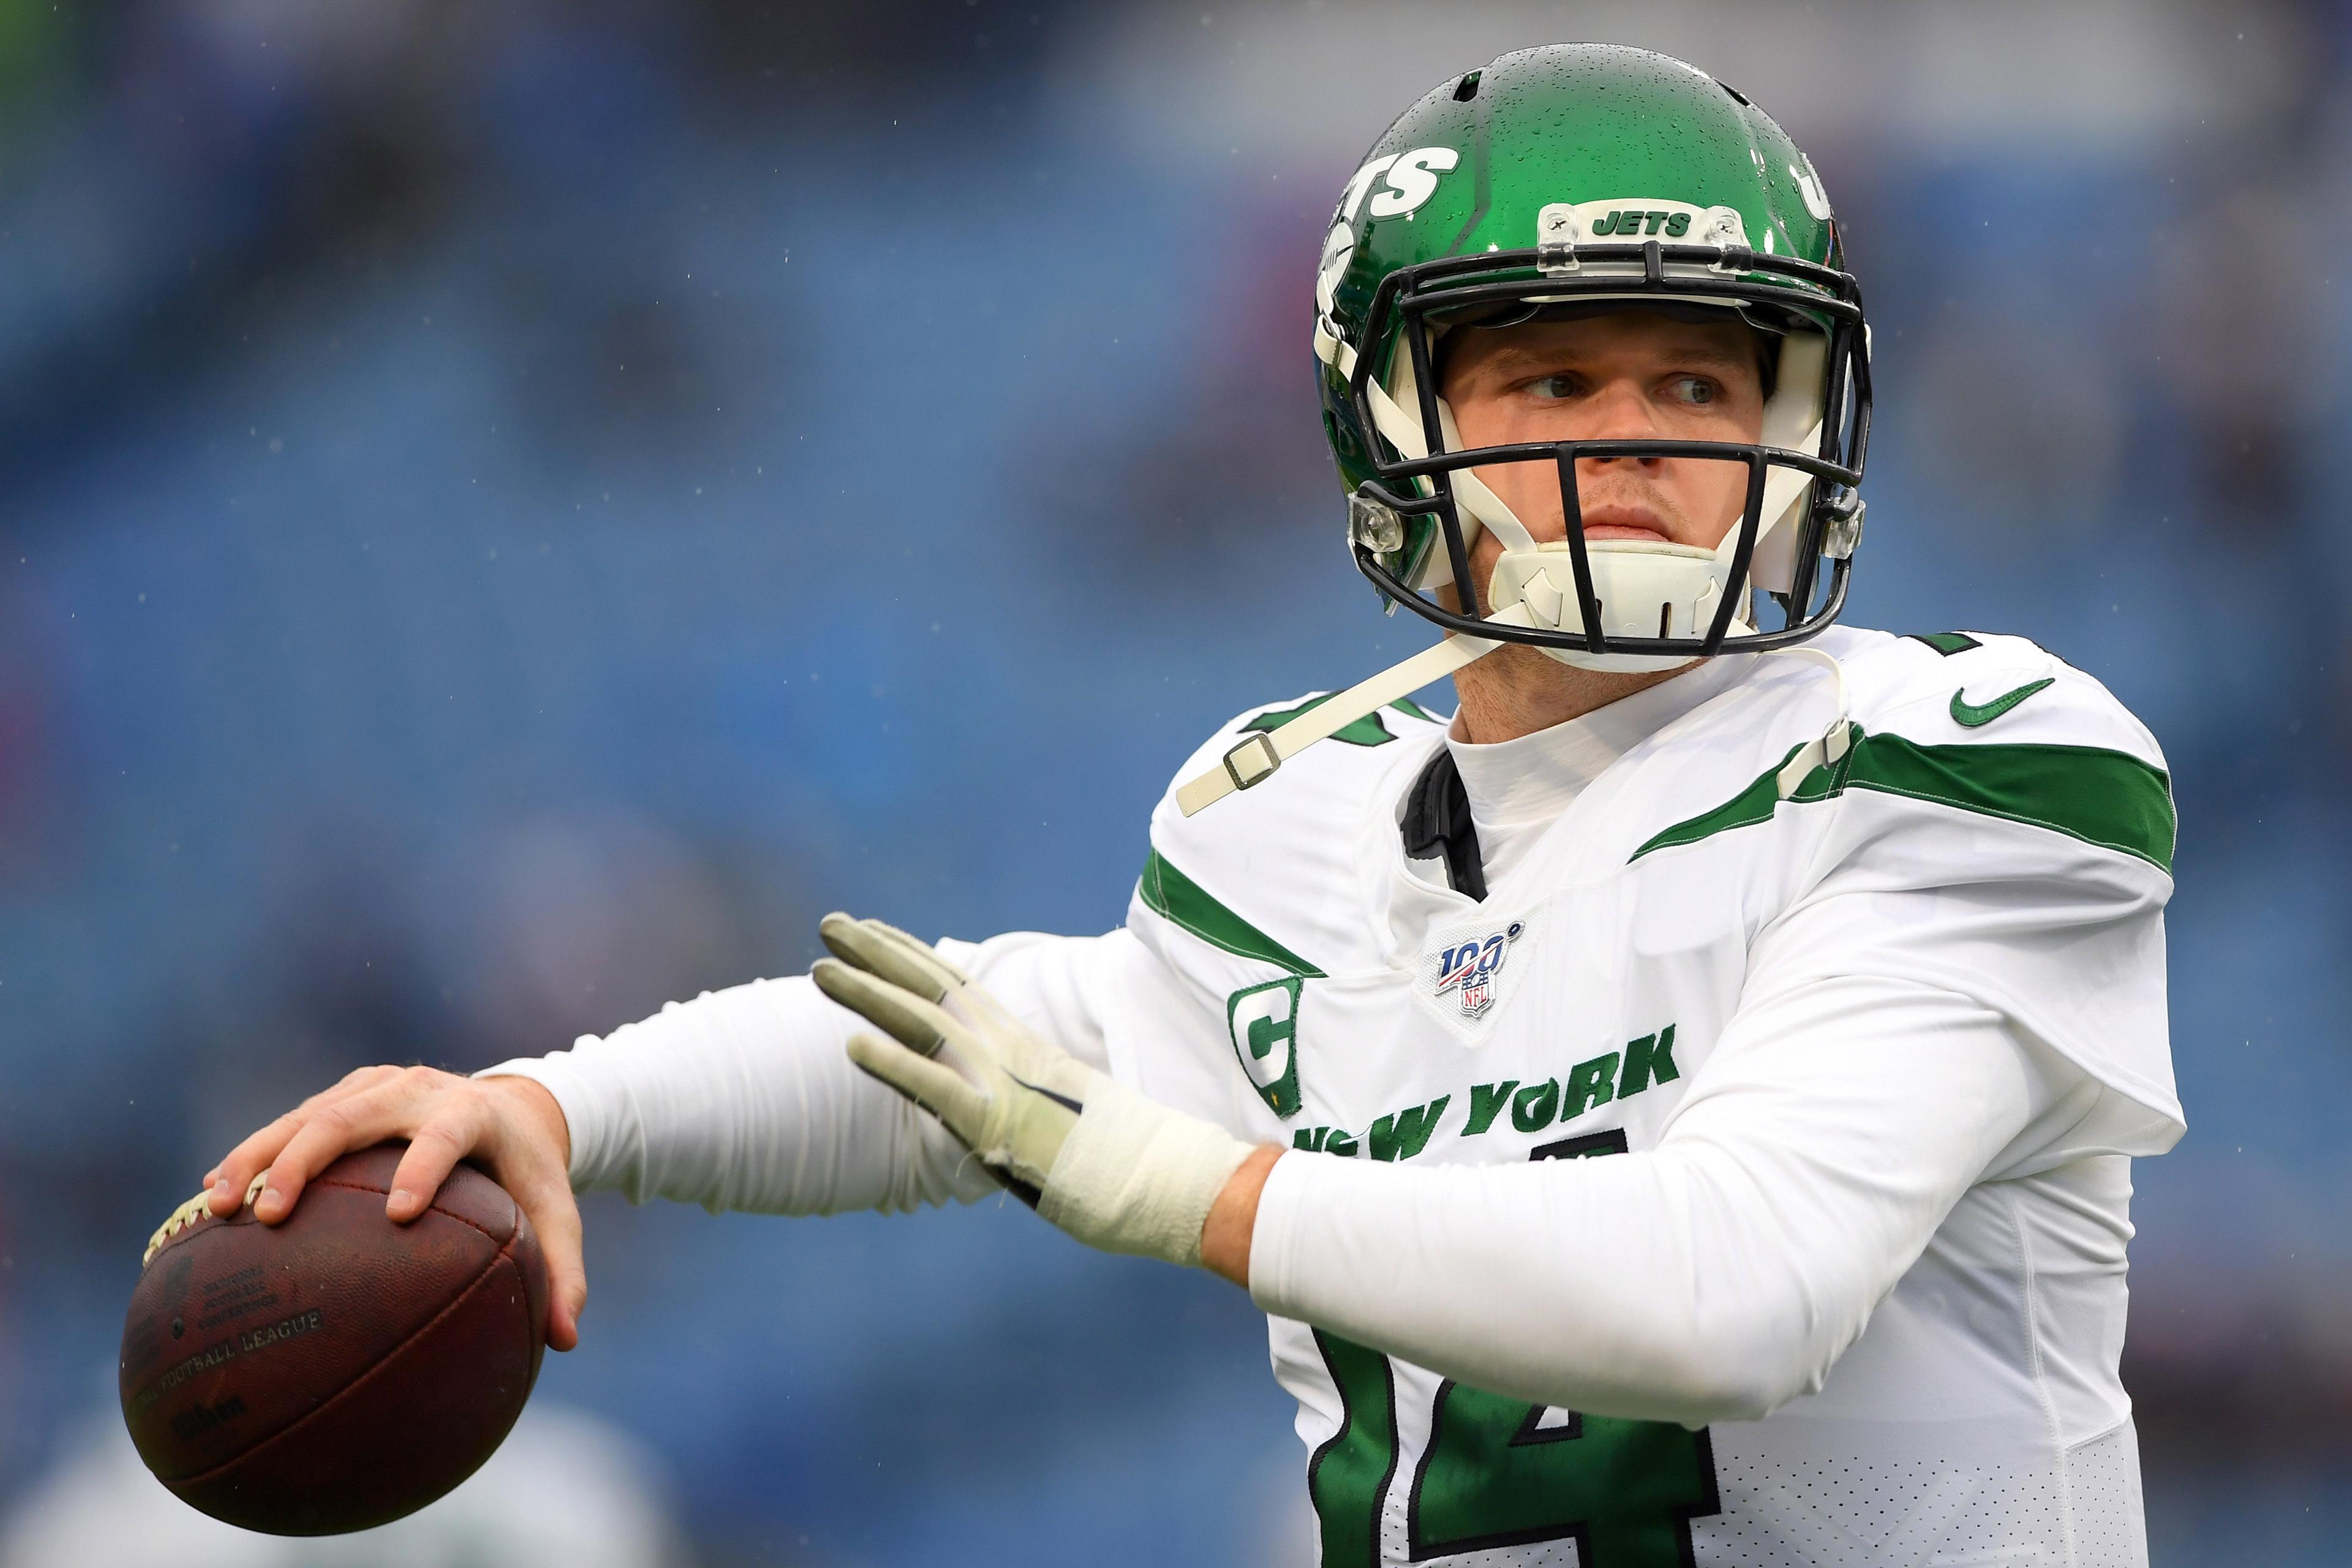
(1253, 761)
(1829, 748)
(1844, 533)
(1376, 528)
(1824, 751)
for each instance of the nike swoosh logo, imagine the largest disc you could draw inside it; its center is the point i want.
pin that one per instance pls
(1969, 715)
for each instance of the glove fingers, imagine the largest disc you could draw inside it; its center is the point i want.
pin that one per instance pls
(938, 1089)
(886, 951)
(850, 942)
(905, 1016)
(920, 954)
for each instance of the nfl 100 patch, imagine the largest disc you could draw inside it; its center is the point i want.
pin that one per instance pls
(1467, 969)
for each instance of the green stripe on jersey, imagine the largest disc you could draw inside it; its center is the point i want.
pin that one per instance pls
(1170, 892)
(2099, 796)
(1367, 730)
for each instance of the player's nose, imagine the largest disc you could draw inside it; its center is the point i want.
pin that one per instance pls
(1619, 411)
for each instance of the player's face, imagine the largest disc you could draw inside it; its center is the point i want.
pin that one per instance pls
(1625, 376)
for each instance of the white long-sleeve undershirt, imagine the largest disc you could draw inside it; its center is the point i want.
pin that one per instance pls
(746, 1099)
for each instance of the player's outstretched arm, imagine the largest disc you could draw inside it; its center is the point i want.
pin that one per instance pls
(1106, 1164)
(741, 1099)
(511, 1127)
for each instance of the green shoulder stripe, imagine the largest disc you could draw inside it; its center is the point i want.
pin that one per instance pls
(1946, 643)
(1170, 892)
(1749, 806)
(2099, 796)
(1367, 730)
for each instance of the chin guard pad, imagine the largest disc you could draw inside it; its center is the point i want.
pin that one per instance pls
(1646, 589)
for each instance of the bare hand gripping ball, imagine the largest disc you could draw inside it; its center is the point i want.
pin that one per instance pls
(337, 1371)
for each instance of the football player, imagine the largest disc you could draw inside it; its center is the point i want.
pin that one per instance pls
(1680, 1105)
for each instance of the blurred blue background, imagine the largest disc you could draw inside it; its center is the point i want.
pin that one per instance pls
(508, 512)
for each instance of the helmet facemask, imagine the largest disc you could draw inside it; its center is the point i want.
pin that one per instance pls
(1628, 605)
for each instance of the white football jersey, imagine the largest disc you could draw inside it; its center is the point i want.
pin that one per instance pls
(2000, 828)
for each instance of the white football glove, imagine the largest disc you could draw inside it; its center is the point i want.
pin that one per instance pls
(1107, 1165)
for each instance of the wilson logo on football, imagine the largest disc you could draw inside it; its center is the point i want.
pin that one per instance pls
(1468, 968)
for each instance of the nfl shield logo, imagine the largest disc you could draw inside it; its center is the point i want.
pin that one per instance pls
(1468, 969)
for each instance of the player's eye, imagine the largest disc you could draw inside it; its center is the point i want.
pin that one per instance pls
(1554, 388)
(1694, 391)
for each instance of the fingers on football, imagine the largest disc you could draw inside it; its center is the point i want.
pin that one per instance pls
(545, 1195)
(913, 1022)
(884, 950)
(938, 1089)
(336, 1125)
(435, 1147)
(228, 1184)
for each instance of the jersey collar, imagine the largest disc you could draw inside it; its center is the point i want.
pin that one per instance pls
(1502, 795)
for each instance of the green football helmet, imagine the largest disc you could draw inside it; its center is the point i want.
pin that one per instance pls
(1563, 181)
(1560, 180)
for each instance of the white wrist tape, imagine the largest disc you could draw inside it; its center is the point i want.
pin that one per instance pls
(1135, 1176)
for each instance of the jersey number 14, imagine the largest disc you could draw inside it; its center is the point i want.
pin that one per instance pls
(1496, 1473)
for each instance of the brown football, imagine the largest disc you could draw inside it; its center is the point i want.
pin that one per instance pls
(337, 1371)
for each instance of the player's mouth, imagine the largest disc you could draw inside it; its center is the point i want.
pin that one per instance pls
(1625, 522)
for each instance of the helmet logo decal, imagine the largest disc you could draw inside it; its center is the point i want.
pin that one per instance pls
(1339, 249)
(1627, 222)
(1412, 179)
(1562, 226)
(1619, 219)
(1809, 185)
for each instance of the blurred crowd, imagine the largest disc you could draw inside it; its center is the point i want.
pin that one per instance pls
(510, 512)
